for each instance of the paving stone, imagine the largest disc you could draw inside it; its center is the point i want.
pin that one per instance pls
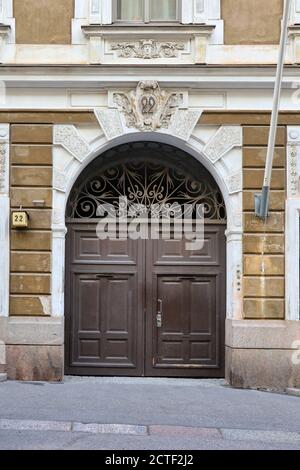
(28, 425)
(205, 433)
(260, 436)
(110, 429)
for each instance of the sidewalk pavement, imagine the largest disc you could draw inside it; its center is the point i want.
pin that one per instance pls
(154, 414)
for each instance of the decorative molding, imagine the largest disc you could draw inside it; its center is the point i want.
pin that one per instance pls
(293, 162)
(223, 141)
(4, 163)
(148, 49)
(148, 108)
(71, 140)
(293, 176)
(4, 220)
(131, 43)
(235, 183)
(110, 122)
(184, 122)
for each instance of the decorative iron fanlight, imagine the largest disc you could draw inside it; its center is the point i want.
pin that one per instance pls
(146, 181)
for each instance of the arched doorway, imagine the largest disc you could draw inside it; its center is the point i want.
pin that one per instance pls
(146, 306)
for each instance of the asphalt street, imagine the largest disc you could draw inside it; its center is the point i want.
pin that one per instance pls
(151, 414)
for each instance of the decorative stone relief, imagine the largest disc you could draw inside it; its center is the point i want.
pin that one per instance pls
(184, 123)
(235, 183)
(223, 141)
(59, 181)
(148, 49)
(293, 162)
(148, 108)
(293, 177)
(4, 163)
(109, 120)
(3, 169)
(69, 137)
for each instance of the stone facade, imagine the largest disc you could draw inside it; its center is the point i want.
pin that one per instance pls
(53, 124)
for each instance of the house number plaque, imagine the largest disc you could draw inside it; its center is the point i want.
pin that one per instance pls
(20, 219)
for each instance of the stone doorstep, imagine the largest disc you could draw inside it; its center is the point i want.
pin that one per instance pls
(152, 430)
(295, 392)
(3, 377)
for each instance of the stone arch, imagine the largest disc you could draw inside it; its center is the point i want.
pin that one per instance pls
(219, 156)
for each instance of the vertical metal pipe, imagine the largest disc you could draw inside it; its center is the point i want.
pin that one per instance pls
(263, 199)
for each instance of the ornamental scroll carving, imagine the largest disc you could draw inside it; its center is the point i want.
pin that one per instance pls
(148, 49)
(148, 108)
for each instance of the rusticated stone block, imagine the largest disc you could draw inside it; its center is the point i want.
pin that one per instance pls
(268, 265)
(35, 363)
(39, 219)
(256, 157)
(277, 200)
(26, 197)
(30, 284)
(269, 244)
(31, 155)
(31, 134)
(29, 240)
(264, 309)
(30, 305)
(31, 176)
(272, 369)
(264, 287)
(259, 136)
(253, 179)
(30, 262)
(274, 224)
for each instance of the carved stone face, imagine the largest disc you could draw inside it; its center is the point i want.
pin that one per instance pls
(148, 49)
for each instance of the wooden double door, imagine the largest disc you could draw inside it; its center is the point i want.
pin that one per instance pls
(144, 308)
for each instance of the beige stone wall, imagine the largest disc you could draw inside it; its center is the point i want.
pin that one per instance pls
(252, 21)
(31, 180)
(264, 244)
(43, 21)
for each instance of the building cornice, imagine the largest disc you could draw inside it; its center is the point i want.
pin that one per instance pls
(143, 30)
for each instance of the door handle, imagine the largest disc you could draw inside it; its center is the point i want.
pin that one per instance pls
(159, 314)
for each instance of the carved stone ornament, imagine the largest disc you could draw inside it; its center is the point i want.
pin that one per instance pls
(148, 108)
(223, 141)
(3, 168)
(148, 49)
(293, 176)
(71, 140)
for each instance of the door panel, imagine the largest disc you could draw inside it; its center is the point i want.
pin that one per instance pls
(191, 295)
(105, 305)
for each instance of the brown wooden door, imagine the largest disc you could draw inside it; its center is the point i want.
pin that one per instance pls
(118, 291)
(105, 304)
(186, 307)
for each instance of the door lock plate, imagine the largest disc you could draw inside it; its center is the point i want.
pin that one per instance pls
(159, 320)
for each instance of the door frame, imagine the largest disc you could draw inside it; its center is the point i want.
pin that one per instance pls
(225, 167)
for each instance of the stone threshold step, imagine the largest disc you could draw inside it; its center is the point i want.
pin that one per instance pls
(295, 392)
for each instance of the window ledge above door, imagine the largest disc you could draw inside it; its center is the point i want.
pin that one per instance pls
(152, 43)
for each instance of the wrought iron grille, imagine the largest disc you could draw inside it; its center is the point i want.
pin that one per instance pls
(146, 181)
